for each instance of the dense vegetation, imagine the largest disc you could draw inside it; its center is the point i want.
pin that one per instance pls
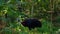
(13, 12)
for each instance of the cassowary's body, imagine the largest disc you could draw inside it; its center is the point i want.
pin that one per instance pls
(31, 23)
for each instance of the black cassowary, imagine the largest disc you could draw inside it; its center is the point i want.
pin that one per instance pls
(31, 23)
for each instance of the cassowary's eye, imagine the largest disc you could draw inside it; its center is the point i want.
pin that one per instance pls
(31, 23)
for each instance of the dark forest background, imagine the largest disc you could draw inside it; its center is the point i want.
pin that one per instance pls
(13, 12)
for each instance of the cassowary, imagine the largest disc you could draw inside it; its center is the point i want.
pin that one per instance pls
(31, 23)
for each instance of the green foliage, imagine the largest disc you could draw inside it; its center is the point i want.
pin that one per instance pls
(40, 10)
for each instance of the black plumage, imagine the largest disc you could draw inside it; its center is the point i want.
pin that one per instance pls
(31, 23)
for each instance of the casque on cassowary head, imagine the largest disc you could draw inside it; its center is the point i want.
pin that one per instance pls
(31, 23)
